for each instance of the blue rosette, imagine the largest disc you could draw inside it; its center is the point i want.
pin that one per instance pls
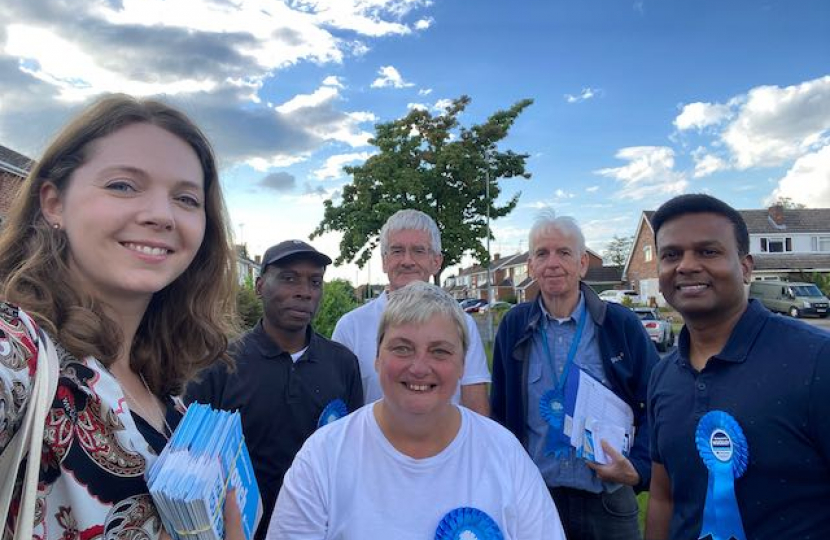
(553, 413)
(724, 450)
(332, 412)
(467, 523)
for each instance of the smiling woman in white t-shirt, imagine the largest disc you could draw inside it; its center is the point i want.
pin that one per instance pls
(413, 465)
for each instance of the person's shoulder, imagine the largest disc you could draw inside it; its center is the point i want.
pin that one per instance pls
(490, 430)
(329, 347)
(794, 330)
(327, 439)
(520, 312)
(18, 332)
(620, 313)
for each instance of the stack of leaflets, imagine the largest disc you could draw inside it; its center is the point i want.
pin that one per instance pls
(205, 458)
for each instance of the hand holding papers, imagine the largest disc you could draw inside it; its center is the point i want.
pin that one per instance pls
(205, 458)
(595, 413)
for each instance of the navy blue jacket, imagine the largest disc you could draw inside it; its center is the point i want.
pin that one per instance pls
(627, 356)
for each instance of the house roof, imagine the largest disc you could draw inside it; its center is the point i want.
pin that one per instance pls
(604, 274)
(14, 162)
(792, 261)
(795, 220)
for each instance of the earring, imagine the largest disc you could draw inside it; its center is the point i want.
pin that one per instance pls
(56, 226)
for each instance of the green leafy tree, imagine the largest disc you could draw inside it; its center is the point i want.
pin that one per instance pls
(248, 305)
(617, 250)
(432, 164)
(338, 299)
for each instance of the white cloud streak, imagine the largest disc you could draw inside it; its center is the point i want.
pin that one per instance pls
(389, 77)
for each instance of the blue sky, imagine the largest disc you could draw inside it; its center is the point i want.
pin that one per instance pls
(634, 101)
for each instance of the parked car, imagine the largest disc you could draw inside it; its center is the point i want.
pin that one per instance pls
(795, 298)
(498, 305)
(658, 328)
(473, 306)
(617, 296)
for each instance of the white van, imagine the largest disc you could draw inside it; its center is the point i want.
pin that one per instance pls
(616, 296)
(794, 298)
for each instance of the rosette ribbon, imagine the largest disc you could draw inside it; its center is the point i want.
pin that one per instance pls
(332, 412)
(467, 523)
(553, 413)
(724, 450)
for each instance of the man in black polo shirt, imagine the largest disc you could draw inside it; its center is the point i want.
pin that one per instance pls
(740, 412)
(289, 380)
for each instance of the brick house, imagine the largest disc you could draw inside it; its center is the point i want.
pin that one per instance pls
(511, 281)
(785, 243)
(14, 168)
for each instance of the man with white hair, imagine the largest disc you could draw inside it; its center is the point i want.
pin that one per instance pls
(410, 245)
(568, 329)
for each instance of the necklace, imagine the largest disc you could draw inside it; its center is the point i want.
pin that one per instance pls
(165, 434)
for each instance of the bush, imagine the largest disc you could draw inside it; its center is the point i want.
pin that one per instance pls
(248, 305)
(338, 299)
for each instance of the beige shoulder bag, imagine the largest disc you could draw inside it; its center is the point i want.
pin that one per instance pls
(29, 438)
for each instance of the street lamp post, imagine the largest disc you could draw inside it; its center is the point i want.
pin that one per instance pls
(490, 336)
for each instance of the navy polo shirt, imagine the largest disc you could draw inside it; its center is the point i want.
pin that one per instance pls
(773, 377)
(279, 401)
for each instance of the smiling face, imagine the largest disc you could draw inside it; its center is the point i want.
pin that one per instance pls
(291, 293)
(133, 213)
(701, 273)
(409, 258)
(420, 366)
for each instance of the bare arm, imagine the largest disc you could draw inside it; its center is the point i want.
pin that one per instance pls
(660, 504)
(474, 397)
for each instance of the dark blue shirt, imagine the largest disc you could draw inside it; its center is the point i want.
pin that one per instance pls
(773, 377)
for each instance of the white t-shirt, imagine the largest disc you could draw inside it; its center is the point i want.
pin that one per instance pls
(358, 331)
(349, 483)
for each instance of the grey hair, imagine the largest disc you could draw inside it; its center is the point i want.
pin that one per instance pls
(410, 220)
(417, 303)
(547, 220)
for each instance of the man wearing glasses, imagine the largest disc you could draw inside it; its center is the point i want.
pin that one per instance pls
(410, 246)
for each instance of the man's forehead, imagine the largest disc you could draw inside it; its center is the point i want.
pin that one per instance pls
(554, 236)
(409, 237)
(696, 228)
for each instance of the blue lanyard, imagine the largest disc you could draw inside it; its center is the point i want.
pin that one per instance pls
(559, 382)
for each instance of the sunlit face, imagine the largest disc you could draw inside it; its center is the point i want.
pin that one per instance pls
(557, 264)
(133, 214)
(291, 293)
(420, 366)
(700, 271)
(409, 258)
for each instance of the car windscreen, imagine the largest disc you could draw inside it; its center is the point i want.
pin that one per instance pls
(806, 290)
(646, 316)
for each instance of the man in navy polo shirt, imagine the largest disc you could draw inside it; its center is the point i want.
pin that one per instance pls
(740, 413)
(288, 380)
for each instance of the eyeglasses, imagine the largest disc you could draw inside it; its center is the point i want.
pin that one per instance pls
(415, 252)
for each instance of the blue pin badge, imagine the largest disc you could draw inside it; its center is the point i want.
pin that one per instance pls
(467, 523)
(724, 450)
(332, 412)
(553, 413)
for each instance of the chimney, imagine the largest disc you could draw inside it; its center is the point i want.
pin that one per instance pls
(776, 215)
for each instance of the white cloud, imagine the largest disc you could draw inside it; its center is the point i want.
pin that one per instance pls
(424, 24)
(586, 94)
(700, 115)
(442, 105)
(389, 77)
(424, 91)
(417, 106)
(332, 80)
(808, 181)
(775, 125)
(649, 172)
(561, 194)
(707, 163)
(592, 189)
(333, 166)
(322, 95)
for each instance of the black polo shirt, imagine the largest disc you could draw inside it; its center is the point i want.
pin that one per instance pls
(280, 401)
(773, 377)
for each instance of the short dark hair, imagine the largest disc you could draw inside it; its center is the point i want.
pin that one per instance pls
(699, 203)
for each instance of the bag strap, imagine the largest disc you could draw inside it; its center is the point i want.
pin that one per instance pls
(29, 438)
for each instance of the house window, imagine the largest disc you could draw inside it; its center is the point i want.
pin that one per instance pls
(647, 253)
(776, 245)
(820, 243)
